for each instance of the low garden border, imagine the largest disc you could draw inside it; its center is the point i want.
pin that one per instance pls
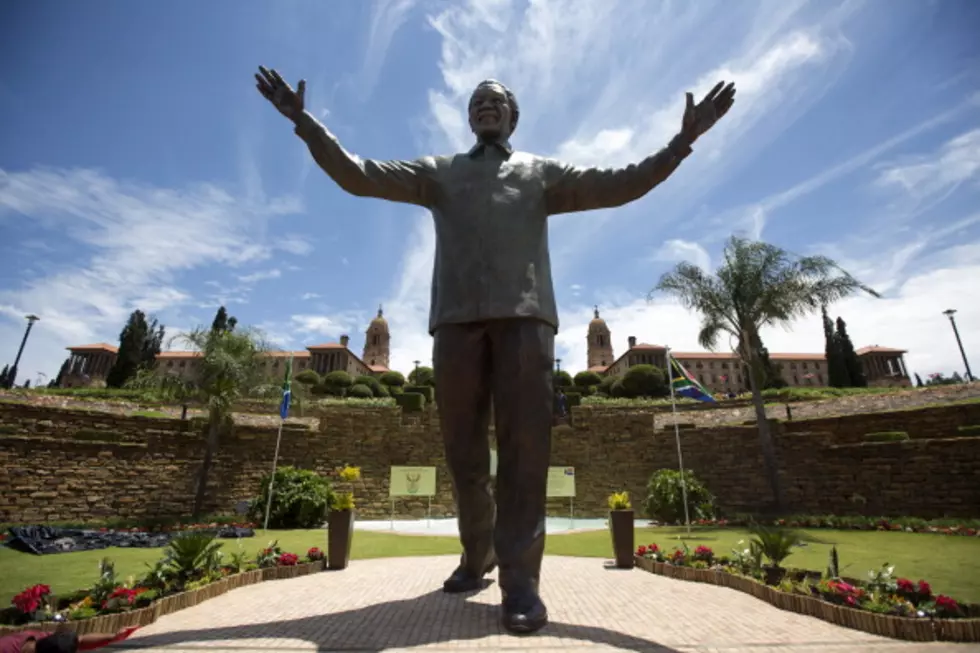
(905, 628)
(111, 623)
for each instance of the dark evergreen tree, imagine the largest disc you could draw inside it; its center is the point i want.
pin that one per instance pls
(837, 376)
(151, 344)
(773, 379)
(132, 341)
(27, 384)
(855, 371)
(918, 380)
(11, 377)
(61, 373)
(3, 376)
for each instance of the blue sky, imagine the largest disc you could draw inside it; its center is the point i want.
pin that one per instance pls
(141, 169)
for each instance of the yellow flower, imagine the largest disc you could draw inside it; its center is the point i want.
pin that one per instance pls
(343, 501)
(619, 501)
(350, 474)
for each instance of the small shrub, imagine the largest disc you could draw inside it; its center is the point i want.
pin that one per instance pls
(886, 436)
(360, 391)
(337, 382)
(573, 399)
(776, 544)
(587, 379)
(424, 390)
(410, 402)
(665, 498)
(309, 377)
(393, 379)
(299, 499)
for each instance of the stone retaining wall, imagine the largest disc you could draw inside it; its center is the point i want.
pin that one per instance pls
(74, 465)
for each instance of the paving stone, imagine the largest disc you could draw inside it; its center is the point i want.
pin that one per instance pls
(397, 605)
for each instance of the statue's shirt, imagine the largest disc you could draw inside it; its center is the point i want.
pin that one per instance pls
(490, 207)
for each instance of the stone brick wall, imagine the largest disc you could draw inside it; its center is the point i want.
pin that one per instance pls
(73, 465)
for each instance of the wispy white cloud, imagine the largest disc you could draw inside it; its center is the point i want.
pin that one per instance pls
(129, 241)
(261, 275)
(310, 295)
(676, 250)
(933, 177)
(387, 17)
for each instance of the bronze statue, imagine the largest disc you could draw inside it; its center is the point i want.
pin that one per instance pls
(493, 313)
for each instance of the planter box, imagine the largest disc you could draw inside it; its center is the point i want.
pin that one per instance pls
(111, 623)
(905, 628)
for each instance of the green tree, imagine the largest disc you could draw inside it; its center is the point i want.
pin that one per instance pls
(645, 381)
(770, 374)
(852, 364)
(836, 371)
(62, 373)
(3, 376)
(606, 385)
(562, 379)
(422, 376)
(230, 366)
(918, 380)
(308, 378)
(587, 379)
(758, 285)
(139, 343)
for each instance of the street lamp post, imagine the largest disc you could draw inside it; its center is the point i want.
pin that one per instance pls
(416, 372)
(950, 313)
(31, 319)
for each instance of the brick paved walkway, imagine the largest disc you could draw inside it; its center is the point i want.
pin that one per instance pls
(395, 605)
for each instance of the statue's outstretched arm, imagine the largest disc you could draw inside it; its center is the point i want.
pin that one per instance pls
(570, 188)
(412, 182)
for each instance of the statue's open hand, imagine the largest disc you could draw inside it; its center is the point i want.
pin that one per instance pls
(290, 103)
(700, 117)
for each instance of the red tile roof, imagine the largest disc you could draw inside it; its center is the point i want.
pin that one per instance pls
(100, 346)
(875, 349)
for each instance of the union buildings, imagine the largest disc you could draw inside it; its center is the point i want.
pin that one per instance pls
(719, 372)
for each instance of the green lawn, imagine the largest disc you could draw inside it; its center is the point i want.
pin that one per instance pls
(947, 562)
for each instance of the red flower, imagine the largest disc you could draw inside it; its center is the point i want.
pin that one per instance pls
(850, 600)
(314, 554)
(29, 601)
(947, 604)
(653, 548)
(641, 550)
(924, 588)
(288, 559)
(905, 586)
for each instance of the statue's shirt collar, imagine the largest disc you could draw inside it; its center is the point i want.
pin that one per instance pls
(503, 146)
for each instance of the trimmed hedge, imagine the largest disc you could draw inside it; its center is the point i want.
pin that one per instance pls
(410, 402)
(424, 390)
(972, 429)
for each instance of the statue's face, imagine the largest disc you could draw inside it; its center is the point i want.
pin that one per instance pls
(490, 112)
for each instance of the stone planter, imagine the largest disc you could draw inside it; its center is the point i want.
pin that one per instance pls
(111, 623)
(905, 628)
(340, 535)
(621, 526)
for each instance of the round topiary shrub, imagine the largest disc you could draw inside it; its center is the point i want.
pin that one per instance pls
(360, 391)
(300, 498)
(665, 498)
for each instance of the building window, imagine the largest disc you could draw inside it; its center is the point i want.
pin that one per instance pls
(820, 379)
(600, 341)
(804, 365)
(796, 380)
(724, 366)
(602, 362)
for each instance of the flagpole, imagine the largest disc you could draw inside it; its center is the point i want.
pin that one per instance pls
(283, 414)
(272, 479)
(677, 438)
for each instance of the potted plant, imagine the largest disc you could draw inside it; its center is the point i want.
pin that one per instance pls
(776, 544)
(621, 526)
(340, 521)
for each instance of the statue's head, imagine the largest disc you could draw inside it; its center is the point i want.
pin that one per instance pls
(493, 111)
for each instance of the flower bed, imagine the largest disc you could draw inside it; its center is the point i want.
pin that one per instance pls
(192, 571)
(968, 528)
(900, 609)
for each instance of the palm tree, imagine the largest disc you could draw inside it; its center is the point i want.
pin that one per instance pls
(228, 368)
(758, 285)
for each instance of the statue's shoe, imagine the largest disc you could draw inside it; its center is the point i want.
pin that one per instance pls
(523, 614)
(464, 580)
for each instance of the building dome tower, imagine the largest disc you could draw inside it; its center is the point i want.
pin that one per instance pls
(377, 342)
(599, 343)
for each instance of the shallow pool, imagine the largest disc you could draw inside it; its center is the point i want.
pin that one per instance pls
(447, 526)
